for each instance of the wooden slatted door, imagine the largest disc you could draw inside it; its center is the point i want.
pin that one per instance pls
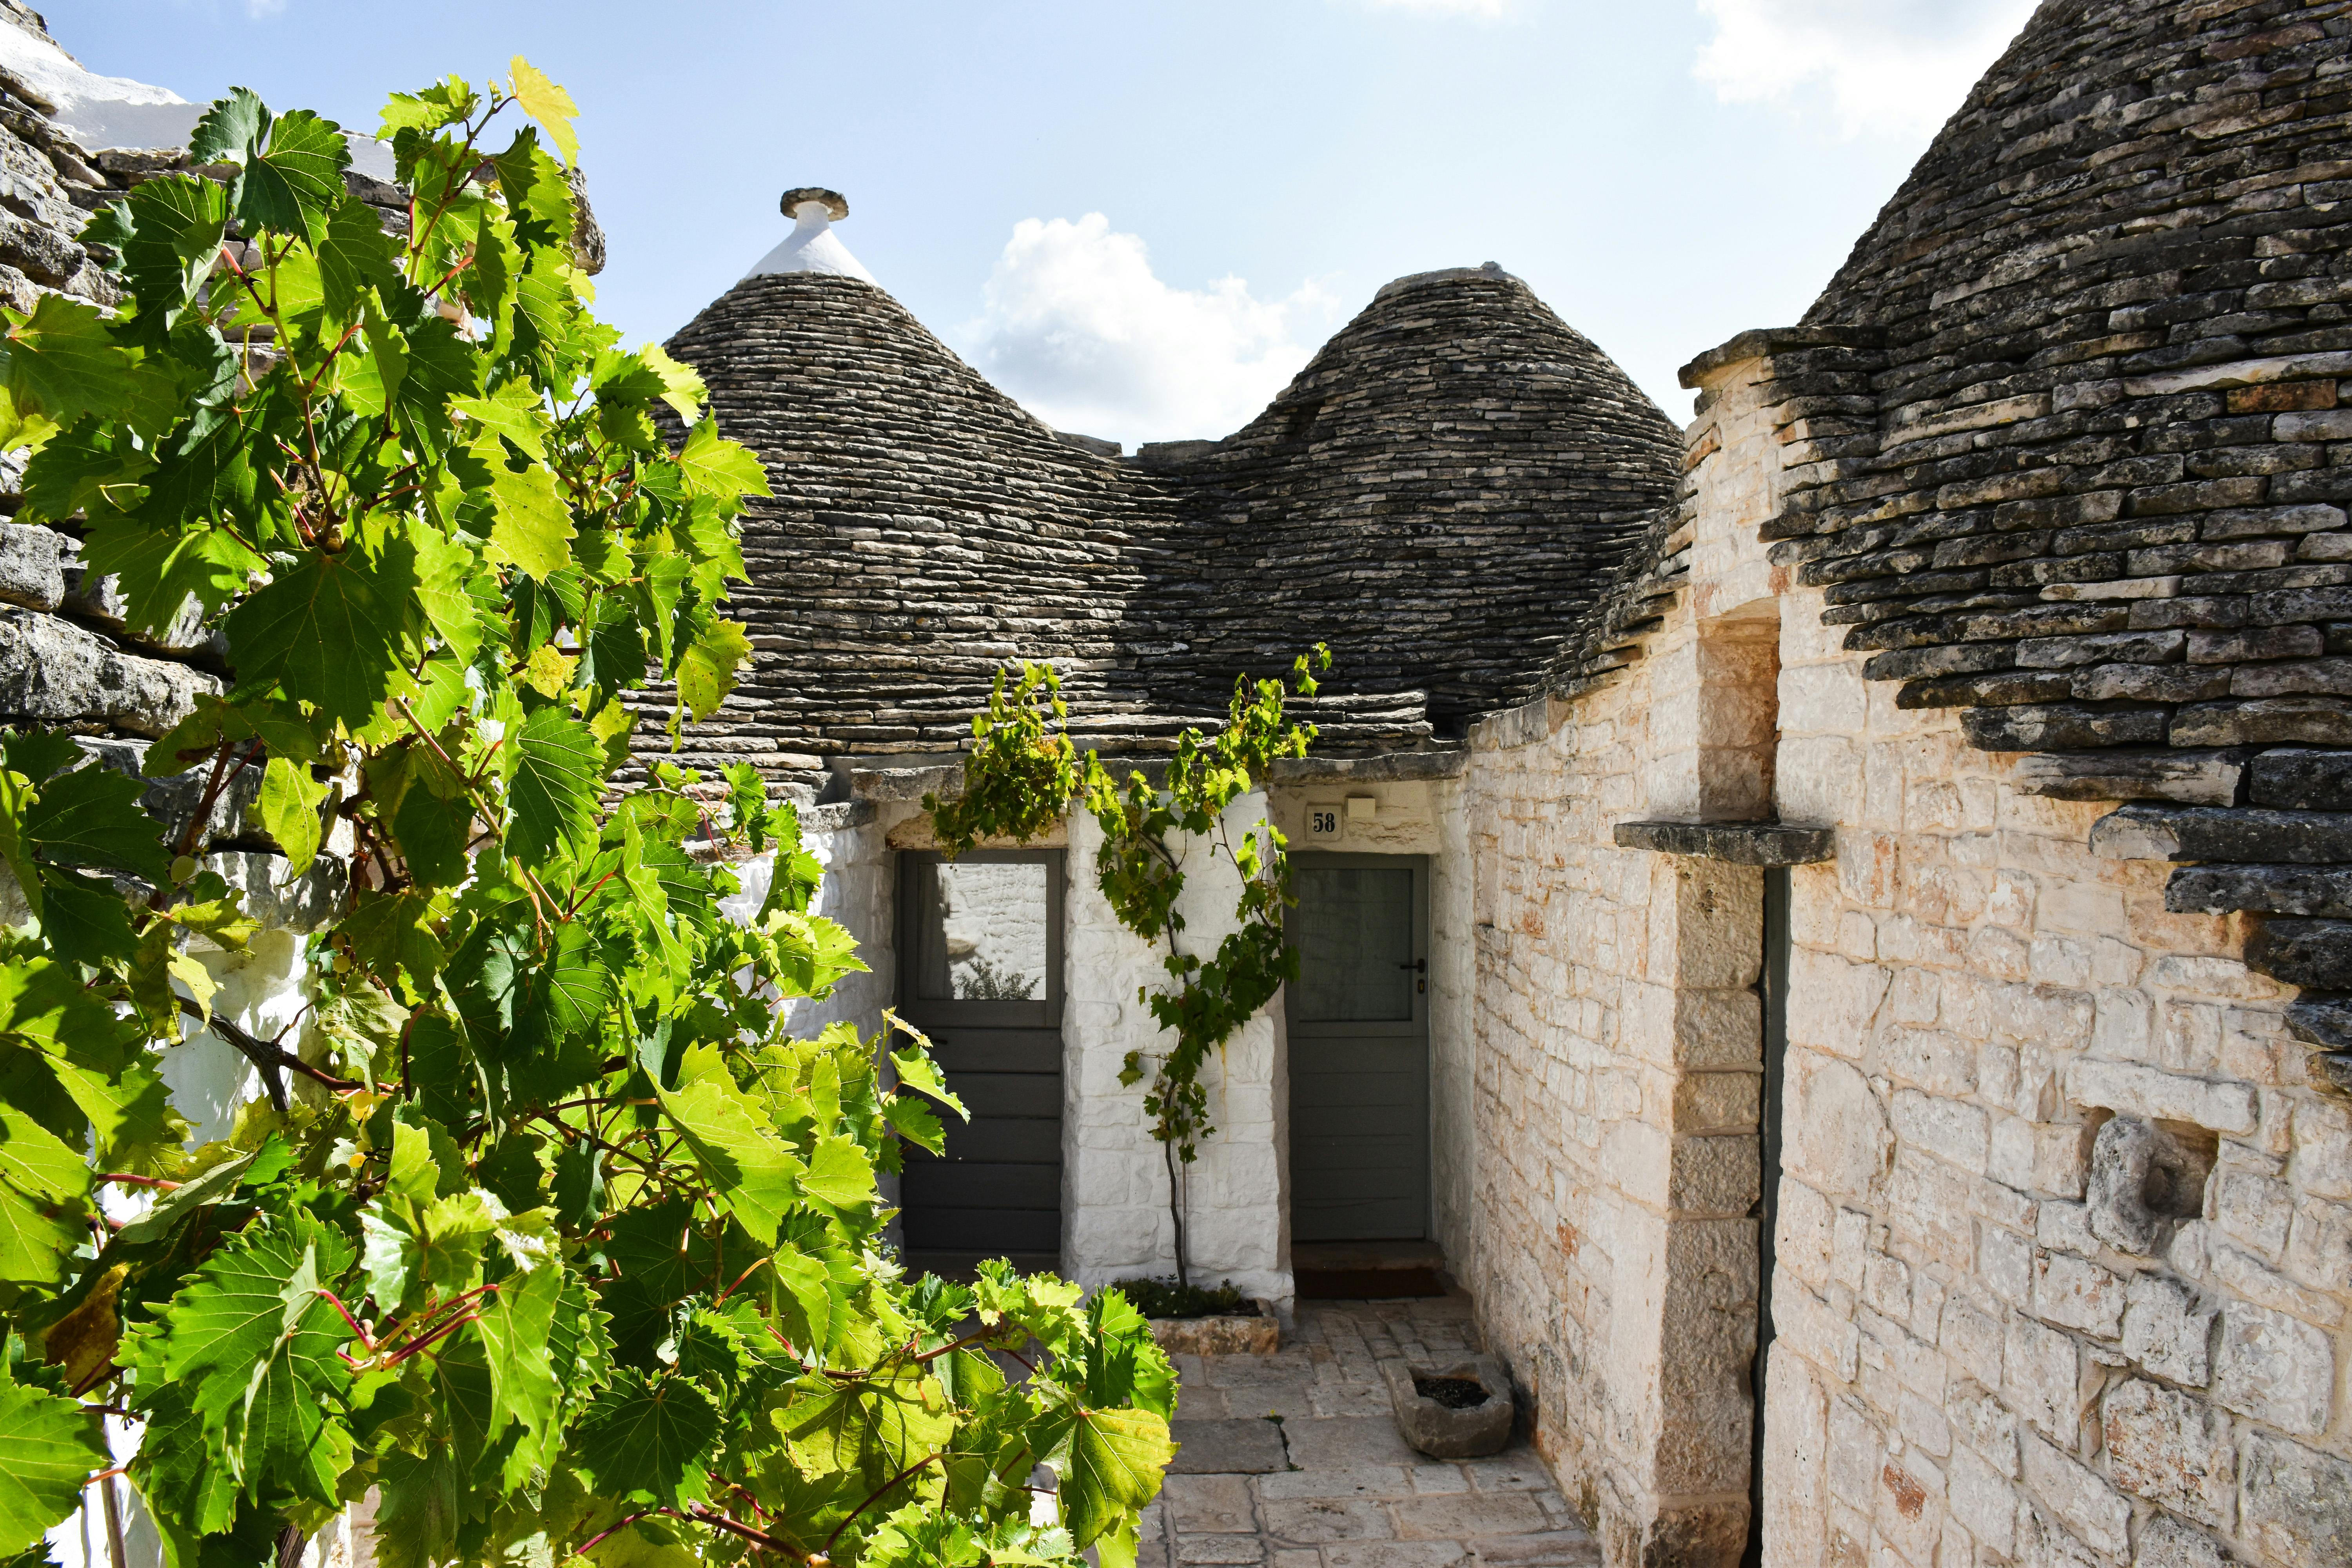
(1359, 1024)
(980, 952)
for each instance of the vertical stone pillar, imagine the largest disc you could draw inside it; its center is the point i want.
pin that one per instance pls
(1682, 1309)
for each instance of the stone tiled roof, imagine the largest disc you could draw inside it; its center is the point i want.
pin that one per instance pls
(2069, 446)
(1442, 486)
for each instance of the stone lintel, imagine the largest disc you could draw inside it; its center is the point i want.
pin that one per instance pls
(1741, 843)
(1760, 343)
(1384, 767)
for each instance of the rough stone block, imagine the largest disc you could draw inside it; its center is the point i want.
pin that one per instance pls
(2170, 1449)
(2317, 891)
(2166, 1543)
(2265, 721)
(2089, 1507)
(2274, 1368)
(2294, 1505)
(2057, 727)
(1234, 1447)
(2151, 1092)
(31, 558)
(1442, 1431)
(2217, 832)
(2169, 1329)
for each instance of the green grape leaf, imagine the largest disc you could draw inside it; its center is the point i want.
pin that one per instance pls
(707, 666)
(515, 1324)
(839, 1174)
(647, 1440)
(291, 186)
(1116, 1458)
(533, 529)
(175, 237)
(288, 806)
(355, 255)
(53, 1445)
(749, 1169)
(36, 1239)
(513, 410)
(91, 817)
(35, 1161)
(333, 629)
(559, 770)
(84, 919)
(721, 469)
(230, 130)
(432, 834)
(63, 363)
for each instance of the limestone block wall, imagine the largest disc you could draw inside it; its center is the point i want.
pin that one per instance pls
(2064, 1247)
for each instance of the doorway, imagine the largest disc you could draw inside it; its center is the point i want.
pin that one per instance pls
(1359, 1026)
(979, 944)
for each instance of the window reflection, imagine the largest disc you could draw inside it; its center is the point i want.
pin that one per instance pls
(1354, 930)
(983, 932)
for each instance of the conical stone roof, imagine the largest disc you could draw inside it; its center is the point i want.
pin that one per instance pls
(1431, 497)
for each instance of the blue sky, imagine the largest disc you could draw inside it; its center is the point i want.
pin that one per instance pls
(1141, 218)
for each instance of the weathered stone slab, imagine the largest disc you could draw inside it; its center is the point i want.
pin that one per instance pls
(2058, 727)
(2324, 891)
(53, 672)
(1741, 843)
(1343, 1441)
(2186, 777)
(1237, 1445)
(2298, 778)
(2311, 952)
(2221, 833)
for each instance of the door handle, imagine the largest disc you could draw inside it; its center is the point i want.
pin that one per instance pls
(1419, 967)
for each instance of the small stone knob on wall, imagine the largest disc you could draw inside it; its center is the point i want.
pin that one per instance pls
(2145, 1180)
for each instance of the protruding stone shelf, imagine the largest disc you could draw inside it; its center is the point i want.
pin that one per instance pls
(1741, 843)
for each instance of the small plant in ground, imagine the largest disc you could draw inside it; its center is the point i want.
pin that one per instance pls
(544, 1230)
(1019, 780)
(1166, 1296)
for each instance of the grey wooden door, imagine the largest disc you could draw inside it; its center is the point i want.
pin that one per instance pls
(980, 947)
(1358, 1025)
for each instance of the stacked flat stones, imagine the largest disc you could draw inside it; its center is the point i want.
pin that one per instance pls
(1450, 477)
(1438, 494)
(2064, 444)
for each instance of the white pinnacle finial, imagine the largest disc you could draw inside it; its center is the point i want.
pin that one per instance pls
(812, 247)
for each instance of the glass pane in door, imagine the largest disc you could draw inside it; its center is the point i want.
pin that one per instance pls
(1354, 930)
(982, 935)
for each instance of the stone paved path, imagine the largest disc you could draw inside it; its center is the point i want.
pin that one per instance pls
(1292, 1460)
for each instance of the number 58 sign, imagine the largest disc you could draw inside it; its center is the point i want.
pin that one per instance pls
(1322, 822)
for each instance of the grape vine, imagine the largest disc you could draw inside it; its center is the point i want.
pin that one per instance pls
(542, 1227)
(1020, 778)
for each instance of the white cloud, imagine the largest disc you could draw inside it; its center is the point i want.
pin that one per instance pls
(261, 8)
(1888, 66)
(1077, 326)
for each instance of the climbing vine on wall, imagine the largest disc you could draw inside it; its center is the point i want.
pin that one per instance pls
(538, 1224)
(1020, 778)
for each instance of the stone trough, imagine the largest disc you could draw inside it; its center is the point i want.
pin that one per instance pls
(1433, 1425)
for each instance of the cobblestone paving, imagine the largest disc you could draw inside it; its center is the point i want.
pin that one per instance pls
(1292, 1460)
